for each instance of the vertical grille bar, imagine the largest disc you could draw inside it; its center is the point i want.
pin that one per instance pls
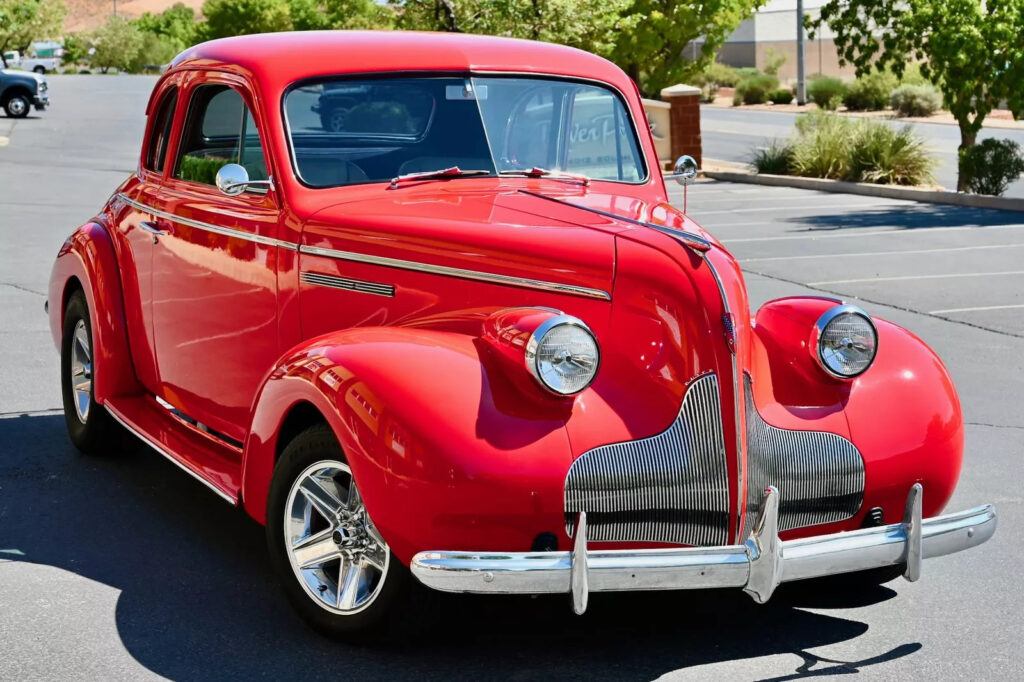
(820, 476)
(672, 487)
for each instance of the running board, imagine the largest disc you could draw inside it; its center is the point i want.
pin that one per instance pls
(214, 463)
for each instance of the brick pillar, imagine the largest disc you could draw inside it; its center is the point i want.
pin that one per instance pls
(684, 120)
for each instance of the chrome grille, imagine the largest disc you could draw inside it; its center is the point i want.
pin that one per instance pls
(348, 284)
(820, 476)
(672, 487)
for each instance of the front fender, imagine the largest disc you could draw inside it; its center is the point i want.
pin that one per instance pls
(903, 414)
(88, 258)
(444, 450)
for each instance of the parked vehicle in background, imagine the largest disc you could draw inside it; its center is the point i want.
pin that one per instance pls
(20, 92)
(422, 307)
(36, 64)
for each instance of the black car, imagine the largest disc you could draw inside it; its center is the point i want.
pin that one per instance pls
(20, 91)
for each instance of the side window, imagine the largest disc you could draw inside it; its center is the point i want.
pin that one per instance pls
(600, 142)
(219, 129)
(156, 153)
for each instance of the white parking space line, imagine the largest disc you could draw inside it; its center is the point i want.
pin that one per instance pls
(905, 278)
(979, 308)
(835, 207)
(818, 234)
(881, 253)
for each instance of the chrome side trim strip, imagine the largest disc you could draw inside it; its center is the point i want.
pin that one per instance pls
(347, 284)
(174, 460)
(456, 272)
(216, 229)
(477, 275)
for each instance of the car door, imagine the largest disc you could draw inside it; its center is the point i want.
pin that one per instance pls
(214, 269)
(137, 227)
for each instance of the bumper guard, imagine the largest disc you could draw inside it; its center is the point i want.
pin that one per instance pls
(758, 566)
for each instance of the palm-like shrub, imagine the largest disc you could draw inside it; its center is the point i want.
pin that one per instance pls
(775, 159)
(886, 155)
(823, 146)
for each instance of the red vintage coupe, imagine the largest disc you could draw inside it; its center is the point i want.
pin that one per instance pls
(419, 303)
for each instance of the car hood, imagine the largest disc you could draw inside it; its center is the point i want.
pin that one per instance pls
(533, 230)
(30, 79)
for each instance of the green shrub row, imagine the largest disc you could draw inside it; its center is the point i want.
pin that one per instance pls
(837, 148)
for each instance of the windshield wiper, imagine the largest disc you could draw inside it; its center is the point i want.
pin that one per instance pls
(453, 172)
(536, 172)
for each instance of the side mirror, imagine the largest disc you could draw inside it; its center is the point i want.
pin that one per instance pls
(232, 179)
(685, 170)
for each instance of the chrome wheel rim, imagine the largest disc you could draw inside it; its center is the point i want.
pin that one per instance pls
(18, 106)
(81, 371)
(335, 551)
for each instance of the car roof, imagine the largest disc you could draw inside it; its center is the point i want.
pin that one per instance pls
(276, 60)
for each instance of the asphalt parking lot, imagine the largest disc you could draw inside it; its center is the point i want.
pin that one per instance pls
(125, 568)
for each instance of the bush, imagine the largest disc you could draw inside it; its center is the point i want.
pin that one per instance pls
(722, 74)
(773, 61)
(746, 72)
(886, 155)
(155, 51)
(780, 96)
(755, 89)
(824, 91)
(823, 146)
(912, 75)
(838, 148)
(774, 159)
(916, 100)
(990, 166)
(870, 92)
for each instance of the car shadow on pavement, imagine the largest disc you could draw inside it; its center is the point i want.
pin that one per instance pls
(198, 601)
(918, 216)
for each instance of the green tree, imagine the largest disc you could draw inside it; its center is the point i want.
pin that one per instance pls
(241, 17)
(117, 44)
(177, 23)
(76, 49)
(310, 15)
(972, 50)
(24, 21)
(155, 50)
(653, 47)
(591, 25)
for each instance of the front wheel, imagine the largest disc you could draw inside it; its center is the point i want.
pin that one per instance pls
(336, 569)
(17, 106)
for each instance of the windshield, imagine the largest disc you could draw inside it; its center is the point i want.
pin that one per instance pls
(360, 131)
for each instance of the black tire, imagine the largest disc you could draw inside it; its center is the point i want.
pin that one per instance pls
(40, 69)
(318, 444)
(95, 433)
(17, 105)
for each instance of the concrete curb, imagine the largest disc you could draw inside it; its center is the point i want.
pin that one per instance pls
(931, 196)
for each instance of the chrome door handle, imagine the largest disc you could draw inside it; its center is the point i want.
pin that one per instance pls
(153, 228)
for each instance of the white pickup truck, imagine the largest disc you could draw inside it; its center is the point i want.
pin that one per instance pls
(36, 64)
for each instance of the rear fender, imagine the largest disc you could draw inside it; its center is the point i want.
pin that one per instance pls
(87, 260)
(444, 450)
(903, 413)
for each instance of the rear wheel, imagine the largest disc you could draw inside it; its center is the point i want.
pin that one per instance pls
(40, 69)
(336, 569)
(17, 105)
(90, 426)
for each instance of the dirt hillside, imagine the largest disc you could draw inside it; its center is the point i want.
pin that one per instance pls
(87, 14)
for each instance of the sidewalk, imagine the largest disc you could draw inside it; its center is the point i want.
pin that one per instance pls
(1000, 118)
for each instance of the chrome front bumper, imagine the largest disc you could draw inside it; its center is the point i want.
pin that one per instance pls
(757, 566)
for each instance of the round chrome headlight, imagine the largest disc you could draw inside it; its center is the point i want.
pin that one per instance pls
(847, 341)
(563, 355)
